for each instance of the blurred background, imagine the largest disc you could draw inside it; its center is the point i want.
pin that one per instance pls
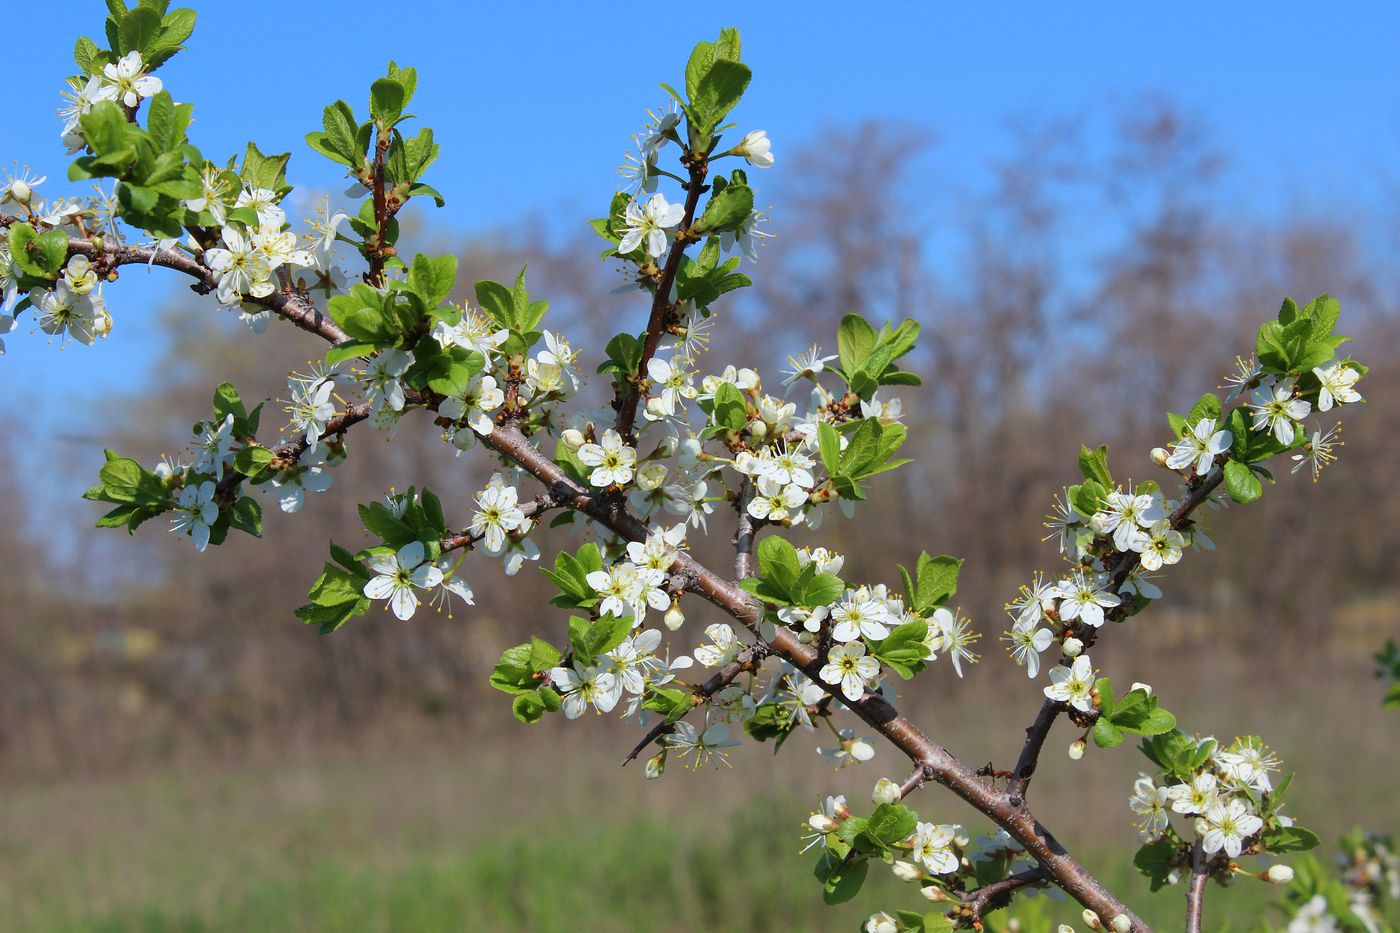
(1090, 214)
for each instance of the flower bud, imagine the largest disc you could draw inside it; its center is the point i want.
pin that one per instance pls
(823, 823)
(1064, 928)
(1159, 456)
(886, 791)
(21, 192)
(757, 428)
(656, 766)
(573, 438)
(906, 871)
(1121, 924)
(651, 476)
(1279, 874)
(881, 923)
(933, 893)
(674, 618)
(656, 407)
(1091, 920)
(804, 638)
(1076, 750)
(1073, 647)
(667, 446)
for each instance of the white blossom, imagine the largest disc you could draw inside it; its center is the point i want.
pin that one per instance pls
(398, 575)
(1201, 445)
(649, 223)
(849, 666)
(612, 460)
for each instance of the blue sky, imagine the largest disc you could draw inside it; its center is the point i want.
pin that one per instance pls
(533, 103)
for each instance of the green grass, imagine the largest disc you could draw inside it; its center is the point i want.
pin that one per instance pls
(538, 829)
(345, 846)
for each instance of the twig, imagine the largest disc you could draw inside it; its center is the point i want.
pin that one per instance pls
(748, 660)
(997, 895)
(661, 300)
(1196, 891)
(1037, 731)
(288, 305)
(745, 532)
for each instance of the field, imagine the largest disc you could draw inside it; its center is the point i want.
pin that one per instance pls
(539, 829)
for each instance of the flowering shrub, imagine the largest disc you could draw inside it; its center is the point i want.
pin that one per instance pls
(686, 444)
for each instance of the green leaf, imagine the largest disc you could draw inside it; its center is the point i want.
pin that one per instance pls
(1289, 839)
(264, 171)
(591, 640)
(1206, 407)
(671, 703)
(136, 30)
(718, 91)
(1156, 860)
(246, 516)
(903, 650)
(1106, 734)
(362, 315)
(342, 132)
(175, 27)
(432, 278)
(385, 525)
(251, 461)
(840, 880)
(528, 707)
(829, 443)
(855, 340)
(1094, 464)
(730, 411)
(386, 101)
(1240, 481)
(88, 56)
(936, 581)
(726, 211)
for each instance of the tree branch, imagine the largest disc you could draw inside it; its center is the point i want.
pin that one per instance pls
(661, 301)
(932, 760)
(1196, 891)
(744, 533)
(285, 304)
(998, 894)
(748, 660)
(1037, 731)
(873, 709)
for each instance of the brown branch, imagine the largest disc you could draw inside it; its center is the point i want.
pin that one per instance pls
(532, 509)
(997, 895)
(745, 532)
(748, 660)
(661, 305)
(288, 305)
(874, 710)
(1196, 891)
(375, 274)
(931, 759)
(1037, 731)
